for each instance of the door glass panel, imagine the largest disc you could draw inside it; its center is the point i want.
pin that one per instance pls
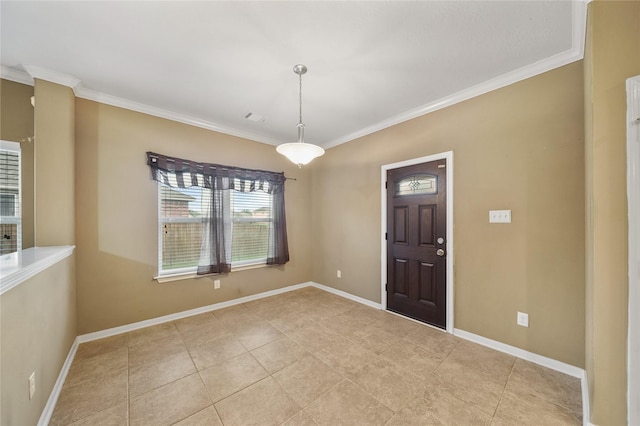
(422, 184)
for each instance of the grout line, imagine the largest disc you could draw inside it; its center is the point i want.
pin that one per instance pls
(504, 389)
(441, 362)
(288, 396)
(322, 394)
(216, 410)
(198, 373)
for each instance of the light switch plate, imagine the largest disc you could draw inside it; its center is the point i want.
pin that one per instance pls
(499, 216)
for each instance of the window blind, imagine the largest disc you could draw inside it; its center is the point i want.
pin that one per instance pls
(10, 216)
(180, 228)
(252, 222)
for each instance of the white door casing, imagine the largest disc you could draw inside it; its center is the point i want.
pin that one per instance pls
(633, 200)
(449, 241)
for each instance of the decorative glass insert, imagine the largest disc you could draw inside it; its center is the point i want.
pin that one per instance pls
(422, 184)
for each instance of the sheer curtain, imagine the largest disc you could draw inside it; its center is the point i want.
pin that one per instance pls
(278, 248)
(215, 249)
(219, 180)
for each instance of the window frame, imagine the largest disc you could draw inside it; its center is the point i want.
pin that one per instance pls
(167, 275)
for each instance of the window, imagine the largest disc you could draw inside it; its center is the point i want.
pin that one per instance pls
(421, 184)
(213, 218)
(10, 218)
(182, 212)
(252, 223)
(180, 229)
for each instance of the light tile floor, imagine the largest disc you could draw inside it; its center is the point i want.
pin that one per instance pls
(306, 357)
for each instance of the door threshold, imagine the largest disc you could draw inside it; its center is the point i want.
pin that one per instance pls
(416, 321)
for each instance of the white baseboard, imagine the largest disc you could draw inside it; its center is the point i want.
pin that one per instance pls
(521, 353)
(493, 344)
(586, 410)
(347, 295)
(45, 416)
(179, 315)
(553, 364)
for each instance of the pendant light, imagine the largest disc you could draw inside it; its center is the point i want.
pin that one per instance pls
(300, 153)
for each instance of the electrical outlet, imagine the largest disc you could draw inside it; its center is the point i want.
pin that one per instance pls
(523, 319)
(32, 384)
(339, 273)
(216, 284)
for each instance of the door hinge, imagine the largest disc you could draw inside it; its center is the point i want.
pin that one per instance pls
(386, 287)
(386, 236)
(385, 185)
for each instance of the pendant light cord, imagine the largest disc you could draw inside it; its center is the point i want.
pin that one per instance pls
(300, 96)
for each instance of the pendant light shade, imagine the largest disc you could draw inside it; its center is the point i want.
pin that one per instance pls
(300, 153)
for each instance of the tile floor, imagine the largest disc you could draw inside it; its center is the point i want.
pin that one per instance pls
(306, 357)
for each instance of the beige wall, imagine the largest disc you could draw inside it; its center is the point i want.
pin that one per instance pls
(518, 148)
(38, 317)
(38, 326)
(116, 217)
(16, 112)
(16, 124)
(612, 55)
(54, 159)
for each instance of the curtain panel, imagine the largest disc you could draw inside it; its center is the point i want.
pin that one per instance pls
(215, 252)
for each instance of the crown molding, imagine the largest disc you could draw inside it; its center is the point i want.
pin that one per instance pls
(466, 94)
(53, 76)
(32, 72)
(579, 26)
(576, 53)
(94, 95)
(16, 75)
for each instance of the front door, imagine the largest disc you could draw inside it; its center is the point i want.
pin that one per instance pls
(416, 242)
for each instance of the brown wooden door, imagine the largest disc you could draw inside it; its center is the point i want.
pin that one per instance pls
(416, 242)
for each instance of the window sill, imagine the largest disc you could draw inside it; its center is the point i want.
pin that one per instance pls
(177, 277)
(192, 275)
(18, 267)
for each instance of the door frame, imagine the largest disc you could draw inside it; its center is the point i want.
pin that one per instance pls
(448, 155)
(633, 201)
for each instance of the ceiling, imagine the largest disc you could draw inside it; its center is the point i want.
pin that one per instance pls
(372, 64)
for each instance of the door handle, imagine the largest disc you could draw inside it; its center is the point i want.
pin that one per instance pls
(440, 252)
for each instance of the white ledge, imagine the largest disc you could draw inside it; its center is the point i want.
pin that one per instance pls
(20, 266)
